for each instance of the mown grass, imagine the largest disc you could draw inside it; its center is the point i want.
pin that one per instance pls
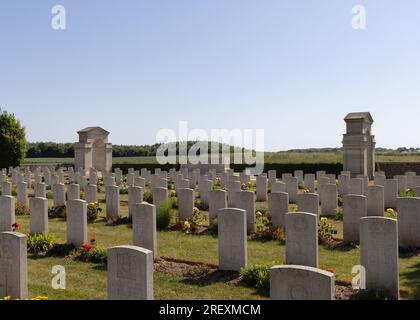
(88, 281)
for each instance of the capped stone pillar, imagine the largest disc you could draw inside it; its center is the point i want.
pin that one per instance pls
(359, 145)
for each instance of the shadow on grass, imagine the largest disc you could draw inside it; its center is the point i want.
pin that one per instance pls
(406, 253)
(226, 277)
(341, 246)
(412, 278)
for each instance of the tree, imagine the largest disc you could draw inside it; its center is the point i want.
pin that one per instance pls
(12, 140)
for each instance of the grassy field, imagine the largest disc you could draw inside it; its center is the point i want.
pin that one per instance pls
(88, 280)
(270, 157)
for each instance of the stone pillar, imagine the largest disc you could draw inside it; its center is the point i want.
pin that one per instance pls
(359, 145)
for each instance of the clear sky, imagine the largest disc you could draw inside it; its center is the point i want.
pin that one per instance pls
(294, 68)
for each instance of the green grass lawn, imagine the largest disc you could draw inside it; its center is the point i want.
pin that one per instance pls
(88, 281)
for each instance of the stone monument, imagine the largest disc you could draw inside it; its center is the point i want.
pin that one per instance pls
(93, 150)
(359, 145)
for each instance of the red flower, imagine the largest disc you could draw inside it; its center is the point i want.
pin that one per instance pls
(87, 247)
(15, 226)
(330, 271)
(92, 240)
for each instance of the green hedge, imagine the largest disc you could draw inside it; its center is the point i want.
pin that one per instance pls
(149, 166)
(330, 168)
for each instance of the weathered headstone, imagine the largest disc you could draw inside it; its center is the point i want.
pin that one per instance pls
(130, 273)
(159, 195)
(40, 190)
(233, 188)
(76, 222)
(354, 208)
(379, 254)
(59, 195)
(6, 189)
(38, 209)
(232, 229)
(302, 239)
(73, 192)
(409, 222)
(218, 201)
(262, 185)
(245, 200)
(185, 203)
(309, 182)
(22, 194)
(278, 187)
(7, 213)
(144, 227)
(301, 283)
(135, 196)
(13, 265)
(329, 200)
(292, 188)
(308, 202)
(391, 193)
(91, 193)
(112, 197)
(278, 205)
(375, 201)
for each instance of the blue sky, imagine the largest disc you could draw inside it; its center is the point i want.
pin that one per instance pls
(294, 68)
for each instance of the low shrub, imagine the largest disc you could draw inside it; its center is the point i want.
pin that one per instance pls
(326, 231)
(214, 227)
(194, 223)
(57, 212)
(391, 213)
(21, 210)
(408, 193)
(40, 243)
(123, 190)
(339, 214)
(61, 250)
(148, 196)
(163, 214)
(93, 211)
(257, 276)
(201, 205)
(91, 253)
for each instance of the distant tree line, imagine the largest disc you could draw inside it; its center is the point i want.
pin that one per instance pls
(66, 150)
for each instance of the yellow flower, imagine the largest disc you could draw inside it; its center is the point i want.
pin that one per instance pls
(259, 214)
(324, 219)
